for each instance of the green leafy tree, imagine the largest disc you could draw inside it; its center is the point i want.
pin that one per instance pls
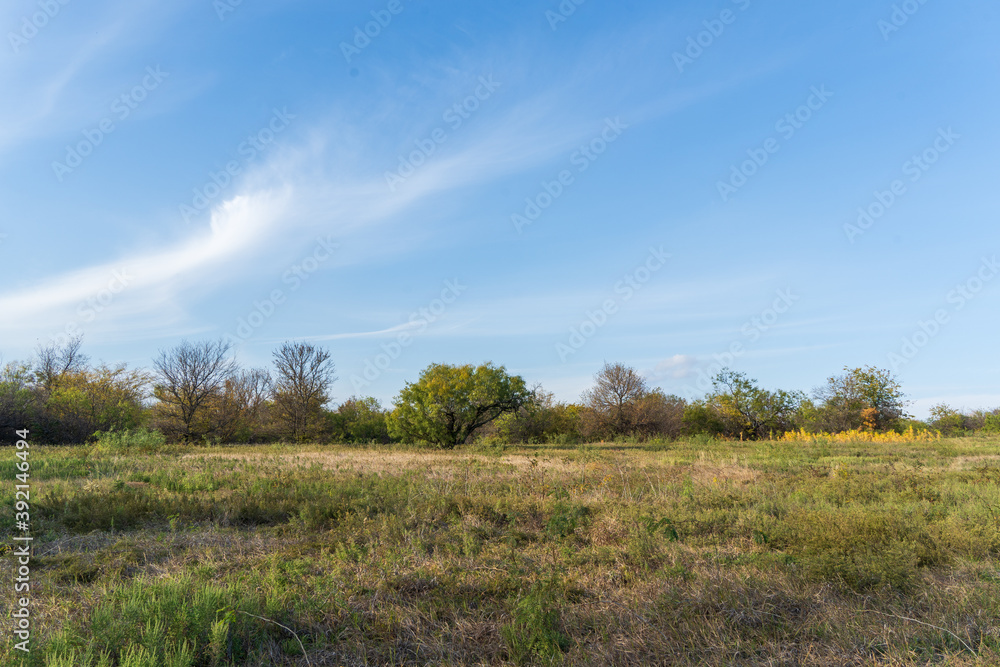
(749, 411)
(991, 422)
(104, 398)
(20, 402)
(948, 420)
(448, 403)
(867, 397)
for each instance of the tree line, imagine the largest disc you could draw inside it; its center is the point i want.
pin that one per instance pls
(197, 393)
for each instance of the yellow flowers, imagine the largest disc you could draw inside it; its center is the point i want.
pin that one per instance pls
(890, 437)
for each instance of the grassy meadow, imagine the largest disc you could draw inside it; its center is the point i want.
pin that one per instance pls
(684, 553)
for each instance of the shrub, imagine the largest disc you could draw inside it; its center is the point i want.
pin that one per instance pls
(991, 423)
(360, 421)
(137, 441)
(540, 420)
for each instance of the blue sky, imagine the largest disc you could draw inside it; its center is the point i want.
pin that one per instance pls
(785, 188)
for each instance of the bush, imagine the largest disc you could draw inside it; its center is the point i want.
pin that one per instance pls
(360, 421)
(138, 441)
(991, 423)
(541, 420)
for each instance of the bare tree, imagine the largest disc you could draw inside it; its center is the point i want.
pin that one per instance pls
(55, 361)
(615, 397)
(241, 407)
(304, 375)
(189, 376)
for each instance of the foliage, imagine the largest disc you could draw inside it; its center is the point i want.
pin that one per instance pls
(540, 420)
(100, 399)
(660, 415)
(860, 398)
(746, 410)
(621, 404)
(864, 435)
(991, 423)
(360, 421)
(448, 403)
(53, 362)
(701, 417)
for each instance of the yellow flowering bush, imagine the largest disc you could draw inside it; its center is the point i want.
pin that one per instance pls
(857, 435)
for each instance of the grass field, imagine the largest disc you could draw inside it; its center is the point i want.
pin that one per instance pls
(688, 553)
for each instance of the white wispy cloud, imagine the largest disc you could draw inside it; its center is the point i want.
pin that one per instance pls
(319, 184)
(148, 281)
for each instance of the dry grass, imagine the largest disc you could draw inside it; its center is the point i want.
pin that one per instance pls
(740, 554)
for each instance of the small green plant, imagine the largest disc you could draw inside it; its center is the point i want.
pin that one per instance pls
(534, 633)
(664, 526)
(566, 517)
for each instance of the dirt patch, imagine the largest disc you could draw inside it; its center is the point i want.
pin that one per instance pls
(969, 462)
(378, 461)
(708, 473)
